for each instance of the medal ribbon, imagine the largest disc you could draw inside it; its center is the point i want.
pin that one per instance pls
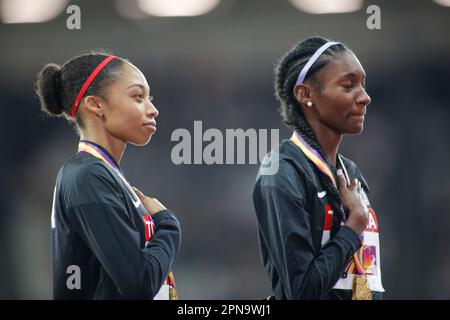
(313, 155)
(358, 257)
(98, 153)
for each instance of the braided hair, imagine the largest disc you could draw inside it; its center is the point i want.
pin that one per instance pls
(57, 86)
(286, 73)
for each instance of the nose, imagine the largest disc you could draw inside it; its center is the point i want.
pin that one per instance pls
(151, 111)
(363, 99)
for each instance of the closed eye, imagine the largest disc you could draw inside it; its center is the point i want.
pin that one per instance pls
(348, 85)
(351, 79)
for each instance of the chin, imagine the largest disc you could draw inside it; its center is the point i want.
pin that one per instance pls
(357, 129)
(141, 141)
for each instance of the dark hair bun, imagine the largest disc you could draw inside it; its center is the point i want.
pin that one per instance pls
(48, 88)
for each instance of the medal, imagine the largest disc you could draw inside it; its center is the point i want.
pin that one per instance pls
(361, 289)
(173, 294)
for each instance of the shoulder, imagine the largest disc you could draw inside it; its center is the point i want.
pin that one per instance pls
(354, 171)
(285, 169)
(84, 168)
(85, 178)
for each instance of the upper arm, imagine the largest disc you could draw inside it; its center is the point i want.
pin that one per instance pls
(285, 226)
(99, 215)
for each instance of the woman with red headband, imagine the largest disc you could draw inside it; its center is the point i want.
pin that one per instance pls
(109, 241)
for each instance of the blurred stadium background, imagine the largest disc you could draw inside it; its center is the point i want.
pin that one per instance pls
(212, 60)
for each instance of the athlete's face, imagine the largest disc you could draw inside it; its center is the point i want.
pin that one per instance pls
(129, 114)
(341, 102)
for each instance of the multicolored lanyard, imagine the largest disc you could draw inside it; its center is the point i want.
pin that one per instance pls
(313, 155)
(98, 153)
(360, 287)
(85, 146)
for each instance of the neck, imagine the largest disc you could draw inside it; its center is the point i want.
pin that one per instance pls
(328, 139)
(115, 147)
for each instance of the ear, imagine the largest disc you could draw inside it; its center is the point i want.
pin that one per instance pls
(93, 104)
(304, 93)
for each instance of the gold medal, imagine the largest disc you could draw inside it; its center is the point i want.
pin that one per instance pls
(361, 289)
(173, 294)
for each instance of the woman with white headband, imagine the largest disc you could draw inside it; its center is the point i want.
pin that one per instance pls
(318, 231)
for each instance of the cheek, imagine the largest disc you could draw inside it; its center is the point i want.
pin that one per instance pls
(125, 118)
(337, 96)
(344, 105)
(338, 105)
(131, 114)
(128, 111)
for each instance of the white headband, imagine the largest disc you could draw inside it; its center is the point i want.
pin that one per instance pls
(314, 57)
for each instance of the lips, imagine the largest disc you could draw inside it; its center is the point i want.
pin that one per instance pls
(359, 114)
(151, 125)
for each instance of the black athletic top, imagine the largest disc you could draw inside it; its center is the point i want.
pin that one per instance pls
(101, 234)
(294, 222)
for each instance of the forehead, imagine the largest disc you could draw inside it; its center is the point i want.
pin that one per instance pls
(132, 75)
(341, 65)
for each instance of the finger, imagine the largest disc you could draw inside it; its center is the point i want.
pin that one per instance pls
(157, 201)
(138, 192)
(353, 185)
(342, 184)
(159, 206)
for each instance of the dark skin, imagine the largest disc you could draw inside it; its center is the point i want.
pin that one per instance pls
(338, 107)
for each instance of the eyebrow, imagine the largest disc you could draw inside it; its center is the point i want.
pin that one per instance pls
(351, 74)
(138, 85)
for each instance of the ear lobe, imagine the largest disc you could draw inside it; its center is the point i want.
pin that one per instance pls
(303, 93)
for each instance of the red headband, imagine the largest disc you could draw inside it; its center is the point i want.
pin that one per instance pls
(88, 83)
